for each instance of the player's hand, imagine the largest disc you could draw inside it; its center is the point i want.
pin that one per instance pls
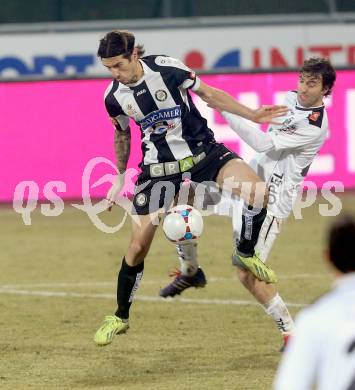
(114, 191)
(267, 114)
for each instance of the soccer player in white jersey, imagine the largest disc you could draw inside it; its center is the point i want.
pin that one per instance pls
(176, 141)
(284, 155)
(321, 351)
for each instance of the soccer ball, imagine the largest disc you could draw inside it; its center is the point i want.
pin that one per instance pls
(183, 223)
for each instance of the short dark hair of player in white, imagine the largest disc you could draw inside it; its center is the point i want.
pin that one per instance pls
(321, 352)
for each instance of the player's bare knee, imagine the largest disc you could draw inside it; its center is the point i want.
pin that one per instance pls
(137, 251)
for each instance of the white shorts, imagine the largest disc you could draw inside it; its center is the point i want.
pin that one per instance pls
(269, 230)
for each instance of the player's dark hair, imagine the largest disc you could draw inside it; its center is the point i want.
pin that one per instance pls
(341, 239)
(317, 66)
(116, 43)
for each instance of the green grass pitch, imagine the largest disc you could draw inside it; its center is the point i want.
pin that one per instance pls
(58, 278)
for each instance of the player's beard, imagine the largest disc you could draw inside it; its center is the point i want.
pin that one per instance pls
(134, 78)
(137, 74)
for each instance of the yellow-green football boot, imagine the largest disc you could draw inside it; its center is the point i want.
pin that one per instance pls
(255, 266)
(111, 326)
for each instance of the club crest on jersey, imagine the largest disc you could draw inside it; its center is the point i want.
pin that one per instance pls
(141, 199)
(314, 116)
(161, 95)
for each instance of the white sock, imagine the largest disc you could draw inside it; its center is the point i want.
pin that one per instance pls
(187, 253)
(277, 309)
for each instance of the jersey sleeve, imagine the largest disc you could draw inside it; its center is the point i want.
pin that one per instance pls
(294, 136)
(184, 76)
(114, 109)
(257, 139)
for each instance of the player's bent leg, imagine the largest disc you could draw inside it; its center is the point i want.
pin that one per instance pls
(239, 179)
(128, 280)
(131, 271)
(272, 302)
(262, 292)
(266, 294)
(141, 238)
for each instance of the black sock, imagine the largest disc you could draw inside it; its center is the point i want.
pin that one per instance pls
(127, 284)
(252, 220)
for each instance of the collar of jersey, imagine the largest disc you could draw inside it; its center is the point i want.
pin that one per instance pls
(299, 107)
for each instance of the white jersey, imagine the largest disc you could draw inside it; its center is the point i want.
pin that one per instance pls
(321, 351)
(295, 144)
(297, 141)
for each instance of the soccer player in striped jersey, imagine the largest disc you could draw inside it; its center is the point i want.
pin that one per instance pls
(176, 143)
(284, 155)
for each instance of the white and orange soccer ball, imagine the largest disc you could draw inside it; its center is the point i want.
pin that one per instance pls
(183, 223)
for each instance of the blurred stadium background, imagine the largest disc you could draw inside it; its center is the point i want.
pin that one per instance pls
(57, 275)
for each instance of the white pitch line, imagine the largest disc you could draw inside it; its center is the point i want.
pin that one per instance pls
(61, 294)
(57, 284)
(64, 294)
(147, 281)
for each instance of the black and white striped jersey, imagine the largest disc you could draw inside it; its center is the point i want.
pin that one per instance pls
(171, 126)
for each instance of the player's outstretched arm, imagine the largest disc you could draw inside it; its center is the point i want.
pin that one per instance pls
(122, 151)
(222, 101)
(257, 139)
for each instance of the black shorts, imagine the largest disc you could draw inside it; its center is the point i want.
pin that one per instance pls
(152, 194)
